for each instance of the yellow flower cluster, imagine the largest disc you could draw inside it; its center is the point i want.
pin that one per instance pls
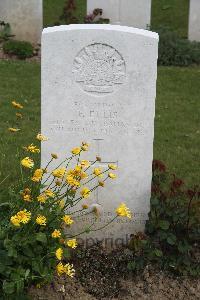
(45, 195)
(123, 211)
(26, 195)
(41, 220)
(32, 149)
(59, 253)
(11, 129)
(18, 115)
(72, 243)
(74, 176)
(68, 220)
(42, 138)
(56, 234)
(23, 216)
(27, 163)
(77, 150)
(65, 269)
(37, 176)
(59, 173)
(85, 192)
(97, 172)
(17, 105)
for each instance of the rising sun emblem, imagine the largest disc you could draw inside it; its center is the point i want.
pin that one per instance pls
(99, 69)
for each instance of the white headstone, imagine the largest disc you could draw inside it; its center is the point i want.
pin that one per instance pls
(194, 20)
(25, 18)
(99, 86)
(136, 13)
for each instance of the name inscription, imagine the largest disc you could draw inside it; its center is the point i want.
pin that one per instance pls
(98, 118)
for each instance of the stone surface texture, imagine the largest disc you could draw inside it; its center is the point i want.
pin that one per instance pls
(99, 86)
(25, 18)
(136, 13)
(194, 20)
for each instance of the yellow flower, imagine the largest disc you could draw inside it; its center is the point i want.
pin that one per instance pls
(27, 162)
(123, 211)
(112, 167)
(17, 105)
(27, 198)
(41, 137)
(41, 220)
(68, 220)
(53, 155)
(42, 198)
(85, 192)
(59, 253)
(72, 181)
(18, 115)
(101, 183)
(37, 176)
(98, 172)
(85, 146)
(58, 182)
(26, 194)
(72, 243)
(24, 216)
(85, 206)
(60, 269)
(76, 151)
(56, 234)
(49, 193)
(85, 163)
(69, 270)
(33, 149)
(15, 221)
(112, 175)
(61, 203)
(13, 129)
(59, 173)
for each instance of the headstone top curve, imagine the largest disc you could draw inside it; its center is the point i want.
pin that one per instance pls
(108, 27)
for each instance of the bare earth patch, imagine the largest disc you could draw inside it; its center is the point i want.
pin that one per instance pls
(102, 275)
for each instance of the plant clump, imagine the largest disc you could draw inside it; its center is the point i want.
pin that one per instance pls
(21, 49)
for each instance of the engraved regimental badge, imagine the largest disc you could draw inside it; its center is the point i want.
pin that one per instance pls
(99, 69)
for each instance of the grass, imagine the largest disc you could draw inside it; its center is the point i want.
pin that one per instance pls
(19, 81)
(54, 9)
(177, 133)
(173, 14)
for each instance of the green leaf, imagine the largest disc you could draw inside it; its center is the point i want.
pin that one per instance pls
(8, 287)
(171, 239)
(184, 247)
(131, 266)
(158, 252)
(27, 273)
(154, 201)
(41, 237)
(164, 224)
(12, 252)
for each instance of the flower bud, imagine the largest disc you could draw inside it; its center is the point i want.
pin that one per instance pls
(53, 155)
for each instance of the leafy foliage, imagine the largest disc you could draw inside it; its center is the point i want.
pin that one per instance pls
(173, 228)
(176, 51)
(5, 31)
(21, 49)
(35, 239)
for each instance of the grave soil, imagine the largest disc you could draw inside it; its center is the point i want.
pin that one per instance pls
(103, 275)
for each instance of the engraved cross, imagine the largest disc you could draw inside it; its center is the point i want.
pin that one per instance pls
(102, 164)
